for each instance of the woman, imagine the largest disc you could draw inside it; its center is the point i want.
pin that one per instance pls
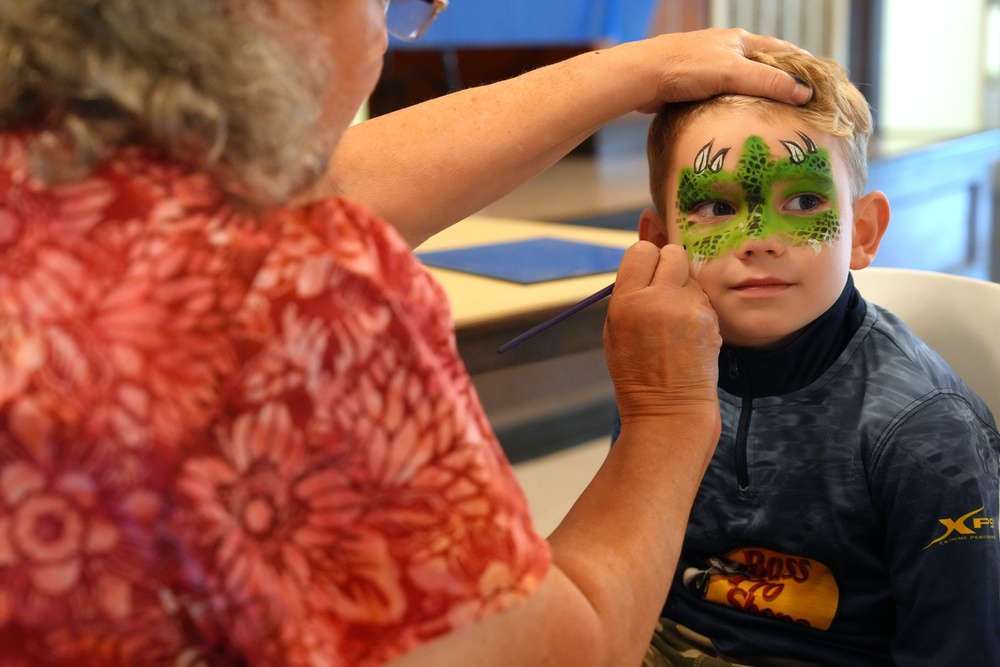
(234, 429)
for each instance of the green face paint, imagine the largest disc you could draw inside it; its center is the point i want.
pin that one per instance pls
(719, 210)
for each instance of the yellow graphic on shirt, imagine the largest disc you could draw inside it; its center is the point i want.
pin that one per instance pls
(981, 528)
(769, 583)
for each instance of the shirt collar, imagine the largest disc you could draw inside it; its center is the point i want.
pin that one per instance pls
(756, 373)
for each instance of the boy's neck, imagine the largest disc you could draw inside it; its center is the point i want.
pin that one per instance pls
(757, 373)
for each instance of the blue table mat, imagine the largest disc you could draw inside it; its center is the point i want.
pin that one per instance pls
(529, 261)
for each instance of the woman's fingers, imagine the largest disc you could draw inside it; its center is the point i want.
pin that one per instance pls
(645, 264)
(753, 42)
(637, 267)
(697, 65)
(672, 267)
(661, 335)
(747, 77)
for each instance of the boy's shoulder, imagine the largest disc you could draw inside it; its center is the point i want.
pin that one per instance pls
(895, 365)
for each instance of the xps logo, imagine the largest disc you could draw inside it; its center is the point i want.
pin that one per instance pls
(959, 525)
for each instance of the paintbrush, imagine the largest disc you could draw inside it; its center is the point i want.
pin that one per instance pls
(551, 322)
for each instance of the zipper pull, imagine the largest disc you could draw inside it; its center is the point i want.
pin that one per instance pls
(734, 367)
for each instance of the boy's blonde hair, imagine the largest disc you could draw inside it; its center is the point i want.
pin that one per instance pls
(837, 108)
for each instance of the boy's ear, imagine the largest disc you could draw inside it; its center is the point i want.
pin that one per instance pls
(652, 228)
(871, 218)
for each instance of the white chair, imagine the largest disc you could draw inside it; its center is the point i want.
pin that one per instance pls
(957, 316)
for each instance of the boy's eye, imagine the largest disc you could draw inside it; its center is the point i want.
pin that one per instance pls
(713, 209)
(804, 202)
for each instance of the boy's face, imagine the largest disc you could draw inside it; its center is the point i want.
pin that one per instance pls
(763, 208)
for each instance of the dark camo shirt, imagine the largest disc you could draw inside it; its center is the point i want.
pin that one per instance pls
(854, 519)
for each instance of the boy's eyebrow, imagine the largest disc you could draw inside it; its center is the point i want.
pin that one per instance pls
(820, 177)
(723, 187)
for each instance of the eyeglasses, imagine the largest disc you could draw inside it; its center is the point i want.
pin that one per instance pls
(410, 19)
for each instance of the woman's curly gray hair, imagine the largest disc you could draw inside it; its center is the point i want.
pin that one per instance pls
(187, 77)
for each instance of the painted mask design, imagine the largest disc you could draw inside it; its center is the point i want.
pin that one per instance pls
(718, 210)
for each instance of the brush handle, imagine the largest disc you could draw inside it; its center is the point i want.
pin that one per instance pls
(556, 319)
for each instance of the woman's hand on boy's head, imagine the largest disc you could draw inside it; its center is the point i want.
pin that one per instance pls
(661, 336)
(700, 64)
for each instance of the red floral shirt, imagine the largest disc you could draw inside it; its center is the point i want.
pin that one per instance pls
(233, 441)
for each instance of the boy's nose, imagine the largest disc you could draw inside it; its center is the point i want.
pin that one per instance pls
(756, 244)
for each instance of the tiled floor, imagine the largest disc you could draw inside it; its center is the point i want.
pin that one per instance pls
(552, 483)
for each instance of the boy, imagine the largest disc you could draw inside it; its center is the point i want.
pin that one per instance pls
(849, 515)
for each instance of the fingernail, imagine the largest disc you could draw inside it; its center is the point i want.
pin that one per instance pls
(802, 82)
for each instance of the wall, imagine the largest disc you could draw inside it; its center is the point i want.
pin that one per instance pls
(933, 66)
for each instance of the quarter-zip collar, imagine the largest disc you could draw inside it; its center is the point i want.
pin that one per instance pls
(752, 373)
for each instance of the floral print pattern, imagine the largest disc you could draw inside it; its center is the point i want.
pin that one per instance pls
(232, 440)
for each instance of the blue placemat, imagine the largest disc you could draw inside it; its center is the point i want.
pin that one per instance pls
(530, 261)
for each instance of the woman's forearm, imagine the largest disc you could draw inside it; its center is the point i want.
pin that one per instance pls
(426, 167)
(613, 559)
(620, 542)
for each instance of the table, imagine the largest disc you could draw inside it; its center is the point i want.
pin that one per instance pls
(489, 312)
